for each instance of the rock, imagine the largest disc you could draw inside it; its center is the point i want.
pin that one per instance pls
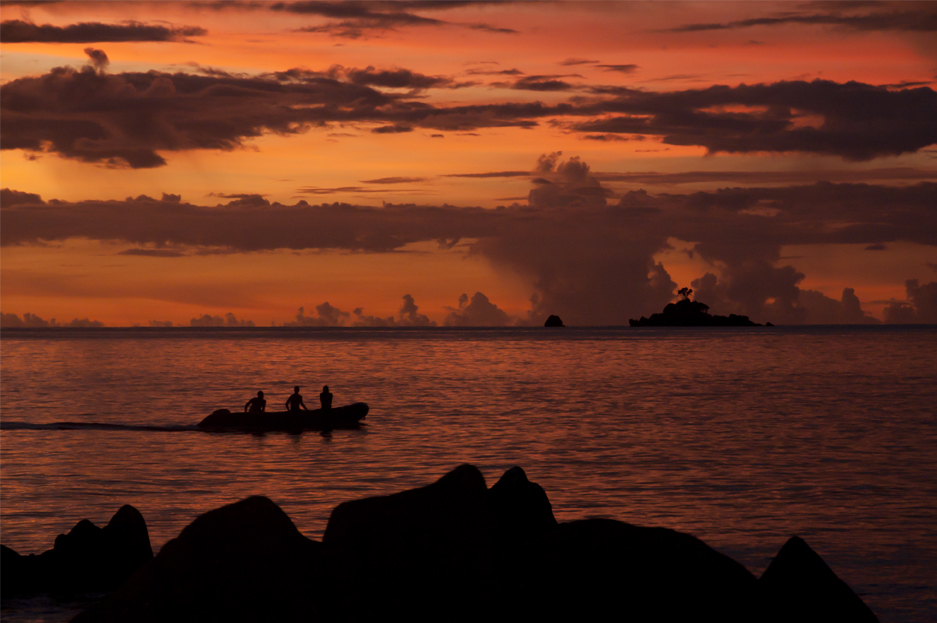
(415, 554)
(521, 508)
(241, 562)
(598, 569)
(799, 586)
(87, 559)
(554, 321)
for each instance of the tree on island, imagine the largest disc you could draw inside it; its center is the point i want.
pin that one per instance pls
(685, 293)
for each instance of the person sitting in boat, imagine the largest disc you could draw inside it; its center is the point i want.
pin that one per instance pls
(256, 405)
(325, 398)
(294, 402)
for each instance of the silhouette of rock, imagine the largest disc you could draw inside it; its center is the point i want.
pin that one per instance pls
(554, 321)
(241, 562)
(799, 586)
(415, 553)
(595, 568)
(687, 313)
(455, 550)
(87, 559)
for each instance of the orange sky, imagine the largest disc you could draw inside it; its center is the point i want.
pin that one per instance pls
(608, 66)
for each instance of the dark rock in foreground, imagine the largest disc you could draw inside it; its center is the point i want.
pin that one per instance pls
(87, 559)
(799, 586)
(687, 313)
(554, 321)
(241, 562)
(456, 550)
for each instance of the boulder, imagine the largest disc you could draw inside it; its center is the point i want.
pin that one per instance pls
(799, 586)
(416, 554)
(87, 559)
(554, 321)
(603, 569)
(241, 562)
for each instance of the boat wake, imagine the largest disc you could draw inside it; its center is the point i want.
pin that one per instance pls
(178, 428)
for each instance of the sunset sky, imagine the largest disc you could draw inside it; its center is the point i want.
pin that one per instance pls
(164, 162)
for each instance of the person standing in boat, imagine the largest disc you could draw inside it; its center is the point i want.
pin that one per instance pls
(256, 405)
(294, 402)
(325, 398)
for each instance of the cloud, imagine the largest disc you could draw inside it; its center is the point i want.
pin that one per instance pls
(492, 174)
(922, 19)
(326, 316)
(853, 120)
(229, 320)
(31, 321)
(394, 180)
(477, 312)
(539, 83)
(359, 19)
(623, 69)
(18, 31)
(590, 259)
(98, 58)
(921, 307)
(408, 316)
(159, 323)
(132, 119)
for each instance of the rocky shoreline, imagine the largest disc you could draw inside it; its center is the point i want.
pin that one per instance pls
(454, 550)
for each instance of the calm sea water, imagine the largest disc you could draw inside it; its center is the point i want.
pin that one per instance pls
(739, 437)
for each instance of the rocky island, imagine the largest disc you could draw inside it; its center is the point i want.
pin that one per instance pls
(687, 313)
(455, 550)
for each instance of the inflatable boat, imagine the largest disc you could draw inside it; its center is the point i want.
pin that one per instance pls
(224, 420)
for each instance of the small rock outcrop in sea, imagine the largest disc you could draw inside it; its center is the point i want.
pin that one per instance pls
(687, 313)
(554, 321)
(87, 559)
(456, 550)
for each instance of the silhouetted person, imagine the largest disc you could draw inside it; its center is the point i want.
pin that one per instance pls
(256, 405)
(325, 398)
(294, 402)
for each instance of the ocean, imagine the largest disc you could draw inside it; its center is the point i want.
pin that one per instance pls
(740, 437)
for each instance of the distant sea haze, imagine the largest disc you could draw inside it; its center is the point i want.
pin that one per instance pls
(738, 436)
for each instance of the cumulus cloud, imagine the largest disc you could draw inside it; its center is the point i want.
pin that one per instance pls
(326, 316)
(31, 321)
(19, 31)
(228, 320)
(590, 260)
(96, 117)
(98, 59)
(477, 312)
(921, 307)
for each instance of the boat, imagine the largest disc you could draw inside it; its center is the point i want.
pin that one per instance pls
(346, 417)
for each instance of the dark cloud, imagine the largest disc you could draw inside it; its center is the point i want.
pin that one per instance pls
(98, 58)
(540, 83)
(228, 320)
(771, 177)
(624, 69)
(876, 247)
(477, 312)
(857, 121)
(494, 72)
(923, 18)
(591, 260)
(571, 62)
(18, 31)
(921, 307)
(489, 174)
(359, 19)
(394, 180)
(130, 119)
(396, 78)
(392, 129)
(31, 321)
